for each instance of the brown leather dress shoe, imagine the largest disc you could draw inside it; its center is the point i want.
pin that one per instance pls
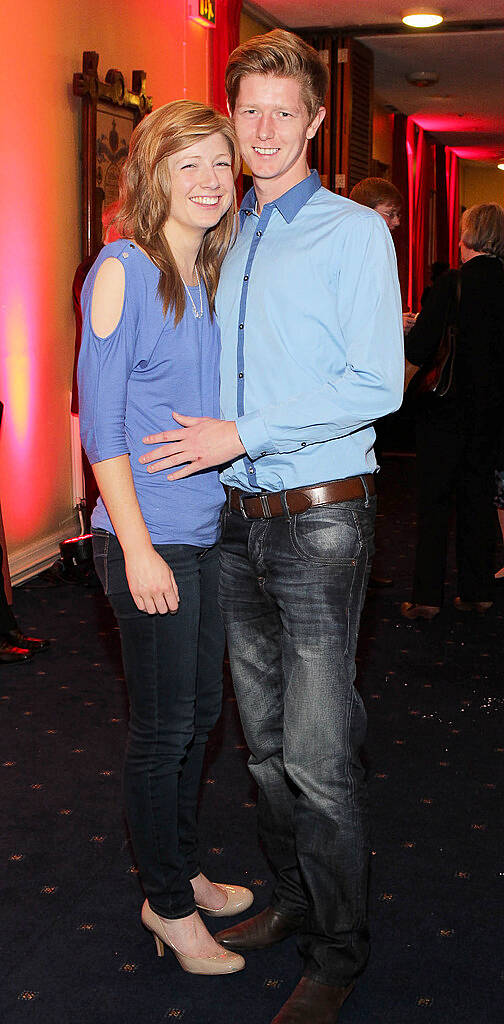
(313, 1003)
(258, 932)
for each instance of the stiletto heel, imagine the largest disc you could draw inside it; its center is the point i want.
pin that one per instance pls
(225, 962)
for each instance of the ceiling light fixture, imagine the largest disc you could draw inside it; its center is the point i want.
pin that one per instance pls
(501, 167)
(423, 20)
(422, 78)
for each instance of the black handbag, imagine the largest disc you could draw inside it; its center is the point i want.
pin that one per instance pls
(436, 376)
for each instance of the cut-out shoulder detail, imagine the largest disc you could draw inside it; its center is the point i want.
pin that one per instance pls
(108, 297)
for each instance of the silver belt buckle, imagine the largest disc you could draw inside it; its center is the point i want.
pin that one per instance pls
(265, 506)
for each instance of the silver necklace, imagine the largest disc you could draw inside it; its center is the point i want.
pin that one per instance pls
(198, 315)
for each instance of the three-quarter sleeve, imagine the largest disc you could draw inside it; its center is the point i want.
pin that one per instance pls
(105, 366)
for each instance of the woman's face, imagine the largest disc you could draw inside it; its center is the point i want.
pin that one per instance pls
(201, 180)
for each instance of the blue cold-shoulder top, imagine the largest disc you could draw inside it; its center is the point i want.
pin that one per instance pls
(132, 380)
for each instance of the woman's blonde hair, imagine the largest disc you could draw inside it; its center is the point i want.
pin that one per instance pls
(145, 195)
(482, 229)
(283, 55)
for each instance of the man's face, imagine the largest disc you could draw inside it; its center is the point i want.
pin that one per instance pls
(391, 214)
(273, 129)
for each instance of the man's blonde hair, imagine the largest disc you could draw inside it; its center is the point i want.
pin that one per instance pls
(283, 55)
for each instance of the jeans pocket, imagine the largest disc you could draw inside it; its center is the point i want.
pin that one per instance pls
(100, 551)
(109, 562)
(328, 534)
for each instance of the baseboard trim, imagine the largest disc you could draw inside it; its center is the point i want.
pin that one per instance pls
(34, 558)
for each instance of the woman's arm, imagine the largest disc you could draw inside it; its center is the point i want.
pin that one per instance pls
(409, 372)
(150, 579)
(423, 339)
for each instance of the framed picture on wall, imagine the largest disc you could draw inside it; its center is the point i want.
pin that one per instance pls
(113, 133)
(110, 112)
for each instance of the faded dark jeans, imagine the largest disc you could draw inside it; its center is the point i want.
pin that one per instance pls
(173, 669)
(291, 594)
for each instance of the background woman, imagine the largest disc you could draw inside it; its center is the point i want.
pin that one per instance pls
(151, 344)
(457, 434)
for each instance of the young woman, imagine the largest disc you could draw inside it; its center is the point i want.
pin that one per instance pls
(151, 344)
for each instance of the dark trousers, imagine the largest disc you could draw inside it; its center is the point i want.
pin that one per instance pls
(455, 461)
(7, 620)
(291, 594)
(173, 670)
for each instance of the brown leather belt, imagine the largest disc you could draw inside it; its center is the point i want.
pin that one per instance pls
(282, 503)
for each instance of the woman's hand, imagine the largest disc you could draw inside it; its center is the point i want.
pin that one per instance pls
(408, 320)
(151, 582)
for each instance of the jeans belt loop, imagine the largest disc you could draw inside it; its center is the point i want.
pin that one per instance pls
(285, 504)
(366, 490)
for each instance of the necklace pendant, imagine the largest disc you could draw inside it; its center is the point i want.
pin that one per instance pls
(199, 316)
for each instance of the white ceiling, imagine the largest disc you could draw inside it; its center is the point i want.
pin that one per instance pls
(466, 107)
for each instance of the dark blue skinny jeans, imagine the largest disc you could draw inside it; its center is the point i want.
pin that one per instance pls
(291, 593)
(173, 670)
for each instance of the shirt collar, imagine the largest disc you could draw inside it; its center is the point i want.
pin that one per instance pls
(290, 203)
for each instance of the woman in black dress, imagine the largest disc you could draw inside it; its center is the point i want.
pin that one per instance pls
(456, 435)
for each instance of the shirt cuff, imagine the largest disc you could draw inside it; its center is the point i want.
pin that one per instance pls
(253, 435)
(107, 452)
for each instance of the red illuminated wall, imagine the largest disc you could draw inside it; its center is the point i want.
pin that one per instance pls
(40, 217)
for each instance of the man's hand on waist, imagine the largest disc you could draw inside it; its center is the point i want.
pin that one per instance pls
(201, 443)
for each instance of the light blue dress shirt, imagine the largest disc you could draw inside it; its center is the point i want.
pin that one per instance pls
(312, 341)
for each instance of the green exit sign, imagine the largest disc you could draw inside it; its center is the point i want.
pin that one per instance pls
(202, 11)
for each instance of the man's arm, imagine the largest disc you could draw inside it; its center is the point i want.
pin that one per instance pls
(370, 321)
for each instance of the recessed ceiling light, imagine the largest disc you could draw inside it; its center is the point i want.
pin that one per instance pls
(427, 20)
(501, 167)
(422, 78)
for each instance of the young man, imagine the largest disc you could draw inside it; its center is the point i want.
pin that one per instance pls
(312, 353)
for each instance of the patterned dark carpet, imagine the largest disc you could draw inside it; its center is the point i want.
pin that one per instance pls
(73, 947)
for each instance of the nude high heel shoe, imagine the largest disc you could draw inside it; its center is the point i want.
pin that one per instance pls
(221, 963)
(238, 900)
